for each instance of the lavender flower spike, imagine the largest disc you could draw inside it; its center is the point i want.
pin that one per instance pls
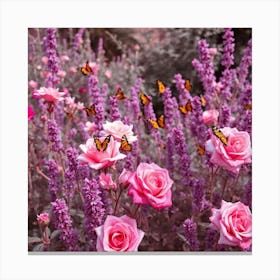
(191, 235)
(93, 208)
(63, 223)
(54, 136)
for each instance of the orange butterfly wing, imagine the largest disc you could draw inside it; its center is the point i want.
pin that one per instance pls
(203, 101)
(248, 107)
(218, 133)
(183, 110)
(144, 99)
(87, 67)
(161, 86)
(188, 85)
(90, 110)
(85, 70)
(125, 146)
(69, 115)
(120, 95)
(161, 122)
(102, 146)
(189, 106)
(200, 150)
(154, 123)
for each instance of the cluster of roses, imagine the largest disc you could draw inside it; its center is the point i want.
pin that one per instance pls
(151, 184)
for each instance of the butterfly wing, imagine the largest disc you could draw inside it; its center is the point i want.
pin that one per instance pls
(144, 99)
(105, 143)
(88, 68)
(120, 95)
(84, 71)
(98, 144)
(153, 123)
(161, 122)
(218, 133)
(183, 110)
(90, 110)
(188, 85)
(203, 101)
(161, 86)
(69, 115)
(189, 106)
(125, 146)
(200, 150)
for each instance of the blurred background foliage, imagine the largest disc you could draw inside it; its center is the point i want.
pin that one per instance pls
(154, 53)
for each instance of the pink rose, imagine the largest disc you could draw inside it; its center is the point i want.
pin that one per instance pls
(32, 84)
(124, 178)
(43, 219)
(100, 159)
(234, 221)
(49, 94)
(44, 60)
(117, 129)
(210, 116)
(31, 113)
(151, 184)
(61, 73)
(118, 234)
(90, 127)
(213, 51)
(64, 58)
(108, 74)
(234, 154)
(73, 69)
(106, 182)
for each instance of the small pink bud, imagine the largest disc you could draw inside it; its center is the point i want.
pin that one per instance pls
(43, 219)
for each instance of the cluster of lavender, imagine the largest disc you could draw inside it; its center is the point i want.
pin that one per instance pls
(69, 187)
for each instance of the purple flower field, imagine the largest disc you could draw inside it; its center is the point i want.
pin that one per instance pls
(139, 139)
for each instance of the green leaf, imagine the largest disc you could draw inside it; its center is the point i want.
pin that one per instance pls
(34, 239)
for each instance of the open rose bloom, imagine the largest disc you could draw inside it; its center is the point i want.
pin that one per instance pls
(117, 129)
(118, 234)
(234, 222)
(49, 94)
(151, 184)
(100, 159)
(231, 156)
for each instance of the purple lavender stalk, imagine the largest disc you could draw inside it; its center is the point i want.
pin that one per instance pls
(54, 136)
(94, 210)
(182, 152)
(246, 62)
(191, 234)
(53, 183)
(77, 40)
(168, 109)
(63, 223)
(114, 109)
(97, 100)
(228, 48)
(211, 239)
(51, 53)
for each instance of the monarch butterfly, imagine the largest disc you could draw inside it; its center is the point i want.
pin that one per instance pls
(125, 146)
(187, 108)
(203, 101)
(160, 121)
(188, 85)
(248, 107)
(102, 146)
(161, 86)
(157, 123)
(120, 95)
(218, 133)
(144, 99)
(90, 110)
(200, 150)
(86, 70)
